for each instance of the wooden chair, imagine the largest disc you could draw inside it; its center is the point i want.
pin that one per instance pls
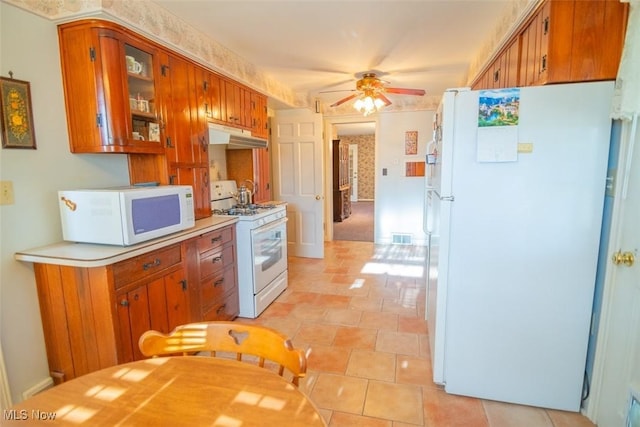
(231, 337)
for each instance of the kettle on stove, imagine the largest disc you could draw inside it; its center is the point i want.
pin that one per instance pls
(244, 196)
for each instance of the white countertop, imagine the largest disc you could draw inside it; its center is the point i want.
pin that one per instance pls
(89, 255)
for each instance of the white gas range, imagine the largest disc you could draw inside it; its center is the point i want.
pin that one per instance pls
(261, 239)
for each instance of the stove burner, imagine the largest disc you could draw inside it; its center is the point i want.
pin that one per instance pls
(254, 206)
(244, 210)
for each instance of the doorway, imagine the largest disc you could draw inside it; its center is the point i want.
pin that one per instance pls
(359, 225)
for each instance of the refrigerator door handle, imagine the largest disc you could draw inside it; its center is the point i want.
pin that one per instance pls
(444, 198)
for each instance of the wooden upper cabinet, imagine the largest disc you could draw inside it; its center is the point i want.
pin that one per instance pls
(259, 123)
(262, 175)
(563, 41)
(187, 150)
(198, 139)
(511, 61)
(232, 103)
(254, 165)
(598, 39)
(178, 147)
(110, 86)
(578, 41)
(212, 96)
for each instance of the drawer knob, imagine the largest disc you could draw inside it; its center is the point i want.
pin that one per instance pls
(217, 259)
(124, 303)
(221, 308)
(216, 239)
(218, 283)
(154, 263)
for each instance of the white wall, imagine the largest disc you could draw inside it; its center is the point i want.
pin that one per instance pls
(29, 48)
(399, 199)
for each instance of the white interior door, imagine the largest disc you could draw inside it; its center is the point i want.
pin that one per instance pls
(353, 171)
(298, 178)
(617, 372)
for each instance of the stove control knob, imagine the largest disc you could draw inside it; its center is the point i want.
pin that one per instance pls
(260, 222)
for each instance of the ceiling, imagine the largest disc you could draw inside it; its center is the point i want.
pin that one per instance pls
(317, 46)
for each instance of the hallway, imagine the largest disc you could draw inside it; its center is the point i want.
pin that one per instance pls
(358, 226)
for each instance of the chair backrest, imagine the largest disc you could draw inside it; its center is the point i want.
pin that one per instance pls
(232, 337)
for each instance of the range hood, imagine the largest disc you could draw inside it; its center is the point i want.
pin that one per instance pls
(234, 138)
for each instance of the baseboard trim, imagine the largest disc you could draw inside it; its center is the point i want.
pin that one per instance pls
(37, 388)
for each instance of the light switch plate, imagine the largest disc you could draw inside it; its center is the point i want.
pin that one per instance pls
(525, 147)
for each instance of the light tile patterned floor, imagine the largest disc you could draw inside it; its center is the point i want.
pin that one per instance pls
(360, 313)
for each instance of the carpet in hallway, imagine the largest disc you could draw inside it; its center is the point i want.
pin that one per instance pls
(359, 225)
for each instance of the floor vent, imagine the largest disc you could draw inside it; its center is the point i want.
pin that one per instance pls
(401, 239)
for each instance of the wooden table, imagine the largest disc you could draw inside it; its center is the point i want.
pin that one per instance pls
(171, 391)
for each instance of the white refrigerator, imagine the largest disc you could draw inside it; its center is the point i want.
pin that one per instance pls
(513, 214)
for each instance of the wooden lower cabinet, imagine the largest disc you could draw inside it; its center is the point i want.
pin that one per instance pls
(218, 275)
(92, 317)
(161, 304)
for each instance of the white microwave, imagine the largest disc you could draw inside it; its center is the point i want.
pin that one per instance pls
(125, 215)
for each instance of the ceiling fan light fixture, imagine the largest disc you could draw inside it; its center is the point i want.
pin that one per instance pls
(368, 104)
(371, 96)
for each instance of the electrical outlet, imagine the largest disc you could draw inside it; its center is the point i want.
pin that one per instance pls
(6, 193)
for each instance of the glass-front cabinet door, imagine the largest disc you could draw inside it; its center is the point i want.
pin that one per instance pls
(143, 110)
(110, 83)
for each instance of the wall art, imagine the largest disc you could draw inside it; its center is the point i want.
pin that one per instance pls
(17, 118)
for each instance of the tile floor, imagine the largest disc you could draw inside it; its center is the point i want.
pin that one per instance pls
(360, 313)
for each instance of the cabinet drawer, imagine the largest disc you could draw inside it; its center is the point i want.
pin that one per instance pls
(214, 288)
(215, 239)
(129, 271)
(224, 310)
(215, 261)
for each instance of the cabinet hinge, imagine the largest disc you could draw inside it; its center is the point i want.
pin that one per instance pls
(205, 85)
(169, 145)
(92, 54)
(183, 283)
(172, 179)
(99, 120)
(163, 70)
(546, 25)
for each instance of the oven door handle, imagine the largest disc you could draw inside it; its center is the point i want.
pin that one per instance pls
(268, 226)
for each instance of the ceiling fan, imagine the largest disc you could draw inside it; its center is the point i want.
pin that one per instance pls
(370, 93)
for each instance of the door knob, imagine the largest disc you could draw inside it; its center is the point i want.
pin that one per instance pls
(625, 258)
(318, 197)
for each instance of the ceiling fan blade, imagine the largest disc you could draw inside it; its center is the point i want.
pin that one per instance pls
(384, 99)
(402, 91)
(343, 100)
(337, 90)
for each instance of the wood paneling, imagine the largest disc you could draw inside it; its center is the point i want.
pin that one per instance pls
(563, 41)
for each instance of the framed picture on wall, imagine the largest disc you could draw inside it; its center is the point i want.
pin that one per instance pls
(15, 111)
(411, 142)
